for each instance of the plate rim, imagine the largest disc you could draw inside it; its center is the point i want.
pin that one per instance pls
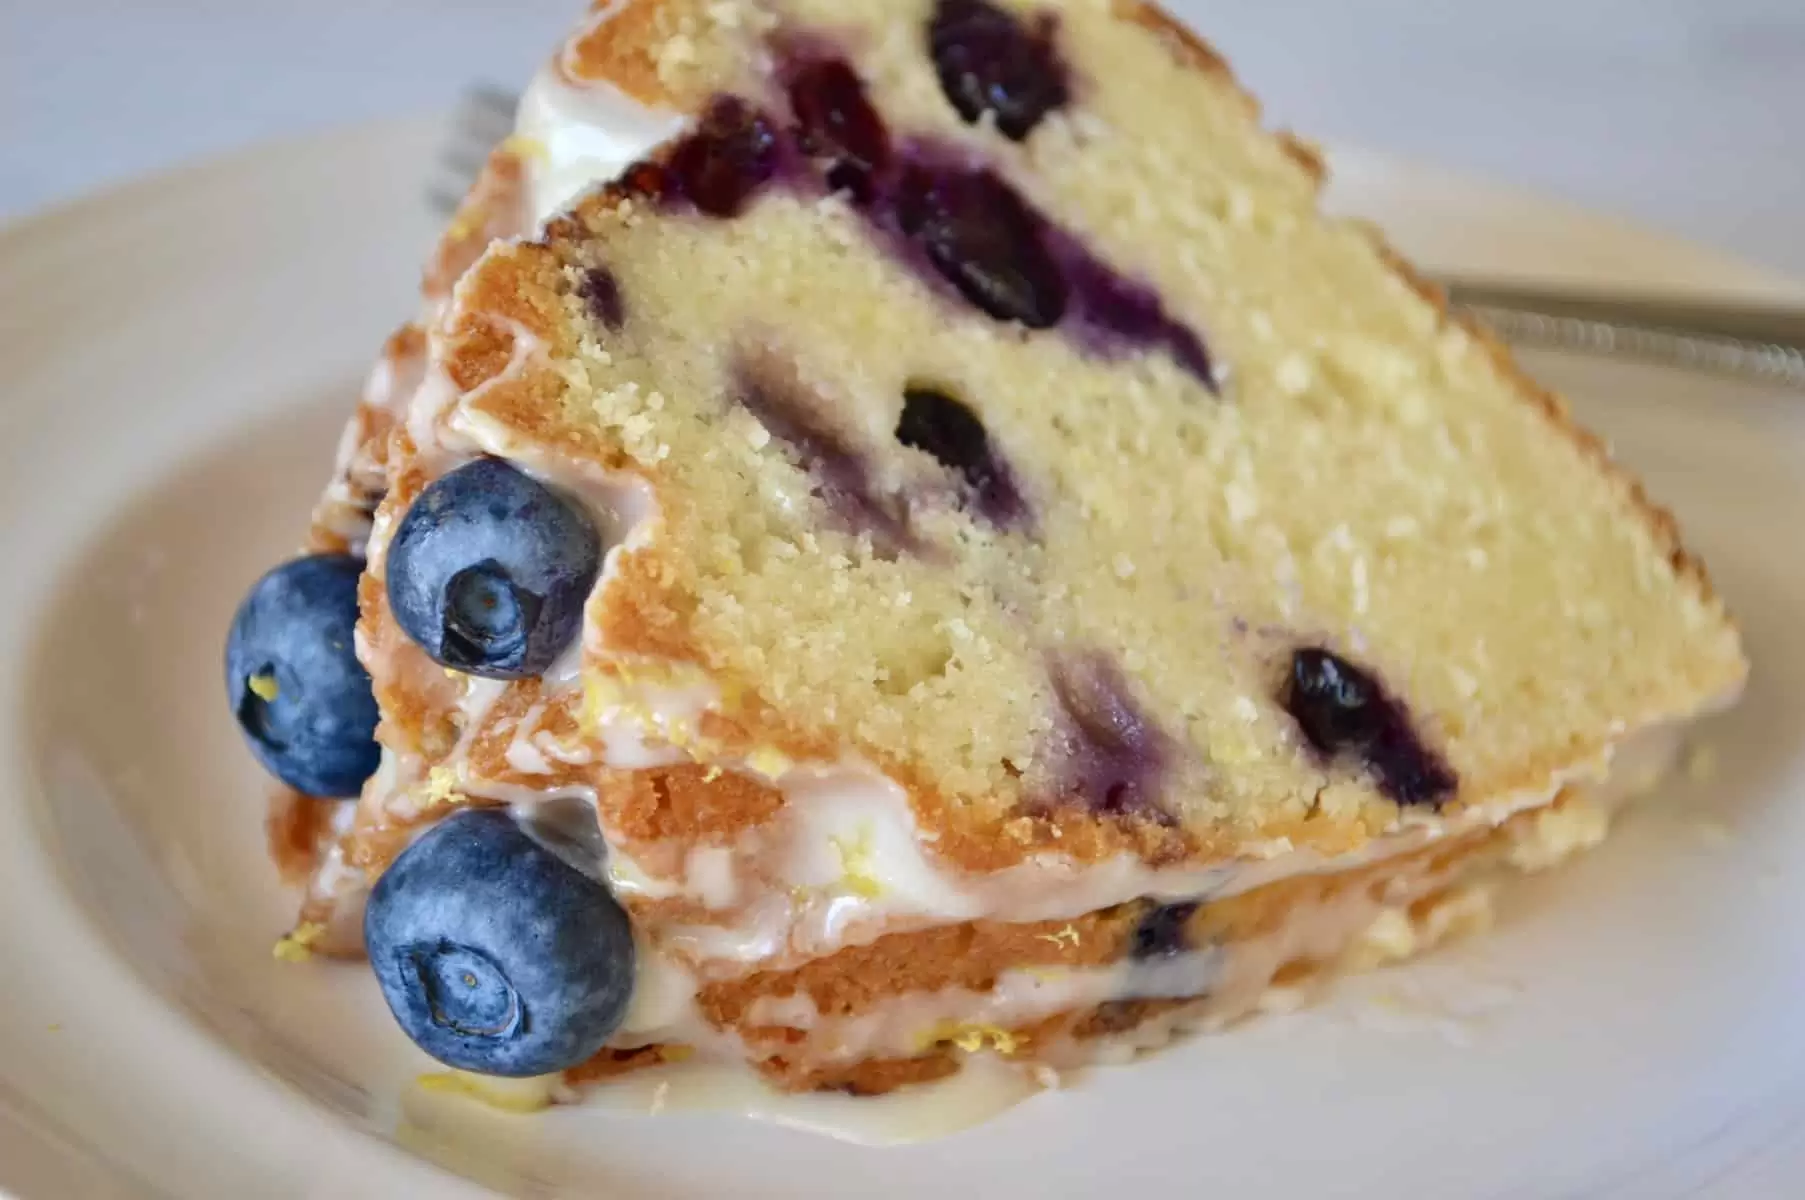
(19, 233)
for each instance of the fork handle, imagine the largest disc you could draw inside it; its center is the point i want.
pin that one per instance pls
(1761, 341)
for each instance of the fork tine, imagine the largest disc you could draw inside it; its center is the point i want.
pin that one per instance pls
(484, 116)
(492, 98)
(465, 159)
(441, 201)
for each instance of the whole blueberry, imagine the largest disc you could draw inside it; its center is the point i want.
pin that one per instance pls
(494, 953)
(293, 680)
(489, 570)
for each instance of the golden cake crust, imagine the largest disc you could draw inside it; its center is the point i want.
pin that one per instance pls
(510, 335)
(524, 291)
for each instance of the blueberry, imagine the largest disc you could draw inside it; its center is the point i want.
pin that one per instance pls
(733, 152)
(1114, 756)
(937, 424)
(496, 955)
(1163, 931)
(1342, 709)
(488, 571)
(984, 239)
(293, 679)
(988, 61)
(600, 291)
(835, 121)
(798, 417)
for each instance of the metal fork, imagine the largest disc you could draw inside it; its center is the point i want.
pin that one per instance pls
(1758, 341)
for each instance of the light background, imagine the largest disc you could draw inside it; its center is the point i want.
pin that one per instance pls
(1686, 114)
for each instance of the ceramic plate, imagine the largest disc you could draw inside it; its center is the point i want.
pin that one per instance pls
(178, 356)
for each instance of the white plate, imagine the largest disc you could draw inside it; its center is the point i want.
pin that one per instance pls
(178, 356)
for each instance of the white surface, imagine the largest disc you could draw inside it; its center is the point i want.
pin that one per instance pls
(1632, 1030)
(1683, 113)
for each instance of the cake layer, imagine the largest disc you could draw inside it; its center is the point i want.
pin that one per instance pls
(1027, 521)
(1361, 472)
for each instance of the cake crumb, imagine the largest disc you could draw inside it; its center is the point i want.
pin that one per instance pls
(441, 787)
(296, 946)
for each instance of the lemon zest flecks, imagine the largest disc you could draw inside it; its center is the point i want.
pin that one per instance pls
(263, 685)
(973, 1038)
(710, 775)
(508, 1095)
(769, 762)
(856, 872)
(296, 946)
(1069, 936)
(441, 787)
(524, 146)
(600, 693)
(462, 226)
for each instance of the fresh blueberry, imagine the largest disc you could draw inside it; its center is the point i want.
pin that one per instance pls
(733, 152)
(1163, 931)
(293, 679)
(1343, 709)
(835, 121)
(494, 953)
(985, 240)
(488, 571)
(937, 424)
(988, 61)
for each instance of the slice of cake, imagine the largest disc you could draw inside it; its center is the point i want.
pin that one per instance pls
(950, 553)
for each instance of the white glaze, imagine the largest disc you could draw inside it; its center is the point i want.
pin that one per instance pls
(806, 897)
(582, 132)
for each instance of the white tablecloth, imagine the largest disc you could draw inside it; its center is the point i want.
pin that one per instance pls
(1686, 114)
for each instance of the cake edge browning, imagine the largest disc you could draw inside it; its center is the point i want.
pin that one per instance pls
(475, 356)
(517, 288)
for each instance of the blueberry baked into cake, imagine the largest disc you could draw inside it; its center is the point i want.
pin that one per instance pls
(901, 533)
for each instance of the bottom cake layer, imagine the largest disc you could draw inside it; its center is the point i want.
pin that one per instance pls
(1056, 995)
(917, 1005)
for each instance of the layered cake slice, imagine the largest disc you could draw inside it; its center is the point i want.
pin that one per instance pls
(920, 541)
